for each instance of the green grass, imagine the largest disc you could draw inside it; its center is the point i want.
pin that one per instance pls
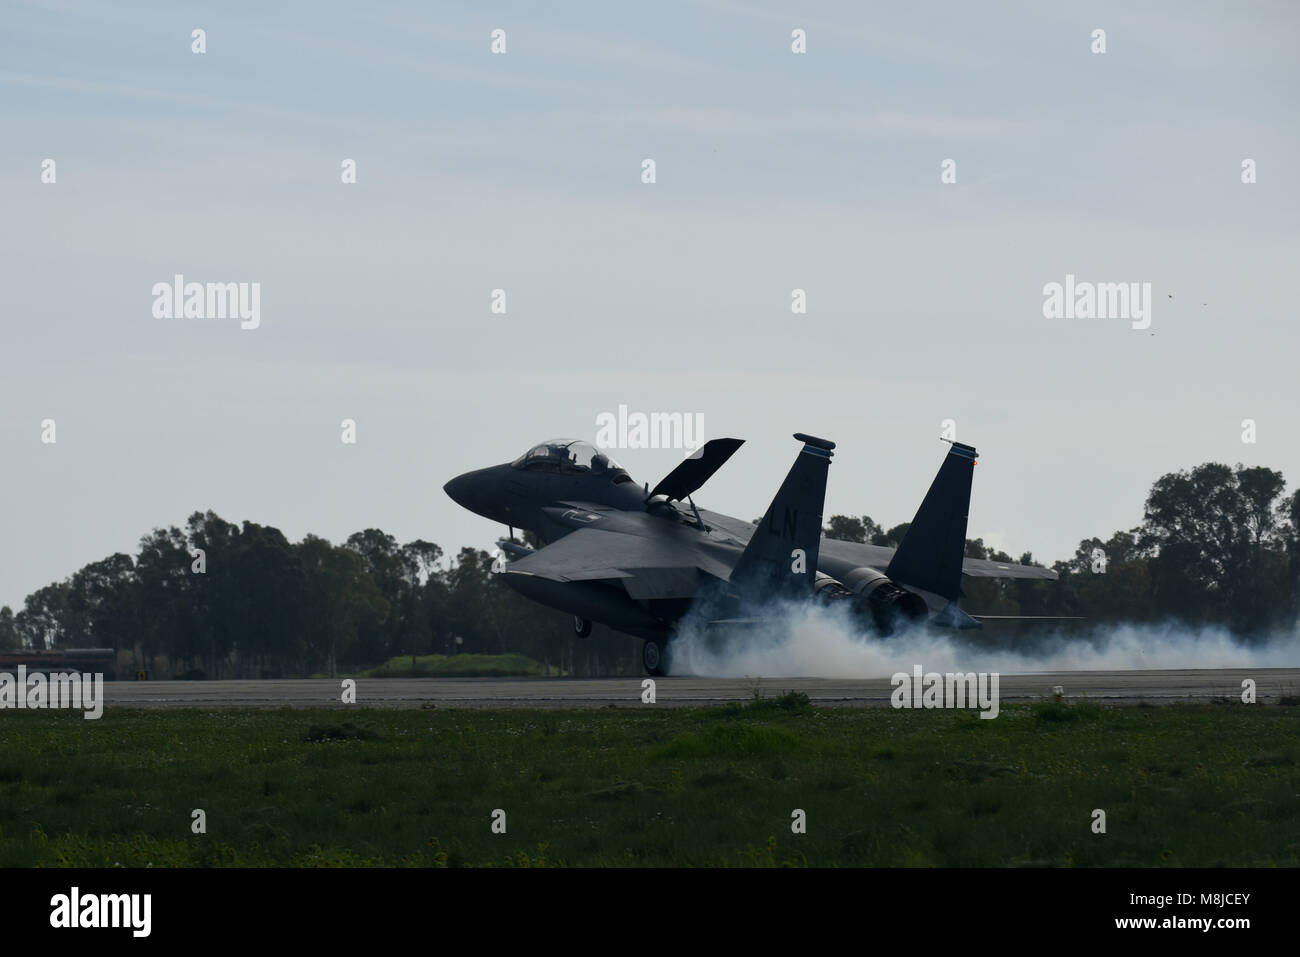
(1181, 785)
(456, 666)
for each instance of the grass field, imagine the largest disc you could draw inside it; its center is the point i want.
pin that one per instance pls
(456, 666)
(1180, 785)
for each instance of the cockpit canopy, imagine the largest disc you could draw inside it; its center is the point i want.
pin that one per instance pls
(571, 457)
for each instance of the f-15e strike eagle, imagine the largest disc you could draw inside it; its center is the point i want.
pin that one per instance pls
(638, 560)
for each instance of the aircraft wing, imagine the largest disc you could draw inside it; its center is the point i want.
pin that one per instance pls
(879, 557)
(983, 568)
(647, 567)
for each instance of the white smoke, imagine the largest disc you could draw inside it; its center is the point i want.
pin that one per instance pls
(801, 640)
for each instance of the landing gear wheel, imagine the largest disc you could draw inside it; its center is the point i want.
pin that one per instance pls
(654, 657)
(581, 627)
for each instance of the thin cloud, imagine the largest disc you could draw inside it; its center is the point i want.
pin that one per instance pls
(719, 121)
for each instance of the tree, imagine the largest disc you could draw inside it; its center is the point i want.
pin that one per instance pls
(422, 555)
(1214, 539)
(169, 623)
(270, 599)
(396, 573)
(103, 597)
(340, 600)
(9, 637)
(848, 529)
(1288, 530)
(892, 538)
(46, 621)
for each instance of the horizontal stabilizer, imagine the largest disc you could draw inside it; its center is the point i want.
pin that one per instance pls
(697, 468)
(1029, 617)
(951, 616)
(988, 568)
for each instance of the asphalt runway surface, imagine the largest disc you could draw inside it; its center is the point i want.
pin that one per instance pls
(1111, 687)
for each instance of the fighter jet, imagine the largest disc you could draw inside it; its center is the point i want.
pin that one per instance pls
(640, 560)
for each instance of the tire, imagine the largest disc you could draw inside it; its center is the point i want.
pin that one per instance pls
(581, 626)
(655, 657)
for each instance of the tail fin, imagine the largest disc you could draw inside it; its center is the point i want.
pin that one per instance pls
(930, 555)
(782, 554)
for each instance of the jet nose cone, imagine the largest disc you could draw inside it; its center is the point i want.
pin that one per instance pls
(484, 492)
(461, 490)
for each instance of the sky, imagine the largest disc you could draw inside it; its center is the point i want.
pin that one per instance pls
(523, 171)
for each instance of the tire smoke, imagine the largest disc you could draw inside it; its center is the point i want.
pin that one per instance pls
(800, 640)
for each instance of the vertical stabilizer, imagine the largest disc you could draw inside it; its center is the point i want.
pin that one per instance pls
(781, 558)
(931, 553)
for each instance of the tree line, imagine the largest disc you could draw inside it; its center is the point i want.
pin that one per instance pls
(1217, 544)
(227, 600)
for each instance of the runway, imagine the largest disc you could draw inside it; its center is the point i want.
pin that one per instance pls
(1111, 687)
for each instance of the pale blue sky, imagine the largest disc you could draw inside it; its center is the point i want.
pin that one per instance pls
(521, 171)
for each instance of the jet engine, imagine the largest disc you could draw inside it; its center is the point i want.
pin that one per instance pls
(875, 596)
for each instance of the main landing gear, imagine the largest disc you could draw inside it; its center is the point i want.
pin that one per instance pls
(655, 657)
(581, 627)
